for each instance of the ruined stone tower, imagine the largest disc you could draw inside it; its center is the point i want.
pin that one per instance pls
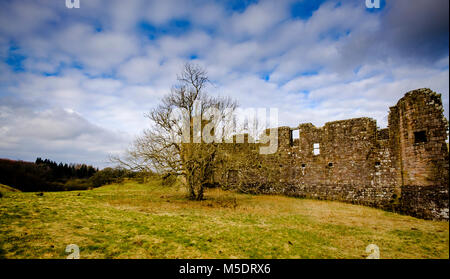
(418, 130)
(403, 167)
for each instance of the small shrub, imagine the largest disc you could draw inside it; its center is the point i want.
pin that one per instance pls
(169, 180)
(142, 177)
(77, 184)
(108, 176)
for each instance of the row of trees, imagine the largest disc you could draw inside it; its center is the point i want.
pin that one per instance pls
(64, 171)
(47, 175)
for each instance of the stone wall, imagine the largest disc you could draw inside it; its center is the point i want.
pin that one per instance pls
(427, 202)
(403, 167)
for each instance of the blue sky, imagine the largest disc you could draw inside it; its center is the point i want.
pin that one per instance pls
(75, 83)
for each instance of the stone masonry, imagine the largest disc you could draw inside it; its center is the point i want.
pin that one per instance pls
(403, 168)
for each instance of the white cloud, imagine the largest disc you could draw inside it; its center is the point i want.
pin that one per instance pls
(258, 18)
(57, 133)
(99, 52)
(105, 74)
(24, 17)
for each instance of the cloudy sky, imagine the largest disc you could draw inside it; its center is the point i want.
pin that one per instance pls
(75, 83)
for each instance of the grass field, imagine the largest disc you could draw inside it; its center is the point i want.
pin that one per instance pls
(149, 221)
(6, 188)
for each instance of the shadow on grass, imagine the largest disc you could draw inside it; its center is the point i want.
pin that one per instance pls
(2, 253)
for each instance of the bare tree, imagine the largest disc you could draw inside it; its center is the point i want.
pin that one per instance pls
(188, 127)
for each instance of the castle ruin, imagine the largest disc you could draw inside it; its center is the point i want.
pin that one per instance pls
(403, 168)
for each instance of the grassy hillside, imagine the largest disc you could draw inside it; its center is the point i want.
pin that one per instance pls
(148, 221)
(5, 188)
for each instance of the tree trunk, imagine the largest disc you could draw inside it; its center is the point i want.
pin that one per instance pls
(200, 193)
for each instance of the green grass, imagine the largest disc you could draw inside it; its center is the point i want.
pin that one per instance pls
(150, 221)
(6, 188)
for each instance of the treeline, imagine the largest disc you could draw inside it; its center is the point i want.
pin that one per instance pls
(47, 175)
(66, 171)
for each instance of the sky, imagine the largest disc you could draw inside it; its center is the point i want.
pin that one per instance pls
(75, 83)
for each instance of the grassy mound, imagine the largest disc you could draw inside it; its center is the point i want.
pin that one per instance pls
(151, 221)
(5, 188)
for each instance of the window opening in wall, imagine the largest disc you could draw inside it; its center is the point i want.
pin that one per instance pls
(316, 149)
(420, 136)
(294, 135)
(303, 168)
(330, 164)
(377, 164)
